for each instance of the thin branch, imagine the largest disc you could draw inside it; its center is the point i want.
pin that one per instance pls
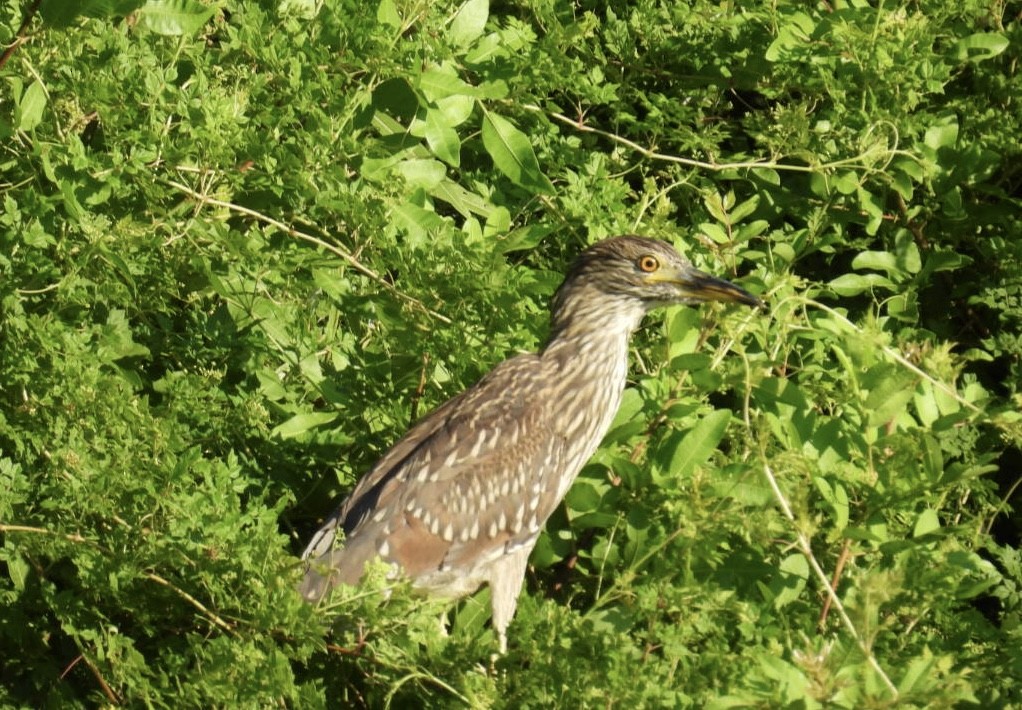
(191, 600)
(104, 686)
(20, 35)
(899, 358)
(763, 163)
(1003, 505)
(805, 547)
(291, 231)
(72, 537)
(839, 568)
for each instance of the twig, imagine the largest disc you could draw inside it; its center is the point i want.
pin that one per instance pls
(360, 645)
(191, 600)
(19, 36)
(764, 163)
(72, 537)
(420, 390)
(104, 686)
(839, 568)
(291, 231)
(805, 547)
(1003, 504)
(899, 358)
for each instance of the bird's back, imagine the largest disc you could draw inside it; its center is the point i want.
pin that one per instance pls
(462, 488)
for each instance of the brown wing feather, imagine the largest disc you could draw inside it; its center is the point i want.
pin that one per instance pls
(460, 488)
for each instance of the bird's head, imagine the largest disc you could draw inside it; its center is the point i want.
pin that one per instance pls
(641, 273)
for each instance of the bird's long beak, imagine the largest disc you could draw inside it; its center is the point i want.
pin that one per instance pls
(694, 285)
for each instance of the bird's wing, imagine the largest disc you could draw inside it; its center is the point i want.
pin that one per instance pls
(469, 481)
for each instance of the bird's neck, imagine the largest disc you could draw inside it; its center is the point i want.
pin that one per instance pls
(587, 356)
(590, 332)
(590, 316)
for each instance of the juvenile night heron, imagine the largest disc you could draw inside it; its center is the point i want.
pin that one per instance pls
(460, 500)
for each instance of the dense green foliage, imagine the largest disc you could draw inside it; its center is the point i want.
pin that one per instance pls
(243, 244)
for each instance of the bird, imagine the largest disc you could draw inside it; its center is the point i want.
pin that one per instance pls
(460, 500)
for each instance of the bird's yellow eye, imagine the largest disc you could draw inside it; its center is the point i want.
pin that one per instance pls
(648, 263)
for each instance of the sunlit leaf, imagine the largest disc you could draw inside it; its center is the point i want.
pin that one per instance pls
(468, 22)
(175, 17)
(699, 444)
(301, 423)
(512, 153)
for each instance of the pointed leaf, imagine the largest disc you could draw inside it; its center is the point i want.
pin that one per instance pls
(175, 17)
(31, 106)
(301, 423)
(699, 443)
(442, 138)
(469, 22)
(512, 153)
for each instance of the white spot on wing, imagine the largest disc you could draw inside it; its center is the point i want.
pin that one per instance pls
(478, 446)
(519, 518)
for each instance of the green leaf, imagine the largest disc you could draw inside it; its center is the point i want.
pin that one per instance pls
(583, 497)
(788, 585)
(715, 232)
(682, 331)
(305, 9)
(31, 107)
(61, 13)
(442, 81)
(837, 499)
(17, 569)
(926, 404)
(942, 135)
(301, 423)
(792, 36)
(416, 221)
(918, 675)
(876, 260)
(469, 22)
(980, 47)
(442, 138)
(699, 443)
(467, 203)
(744, 209)
(424, 173)
(175, 17)
(455, 110)
(944, 261)
(387, 14)
(926, 523)
(889, 396)
(512, 153)
(854, 284)
(528, 238)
